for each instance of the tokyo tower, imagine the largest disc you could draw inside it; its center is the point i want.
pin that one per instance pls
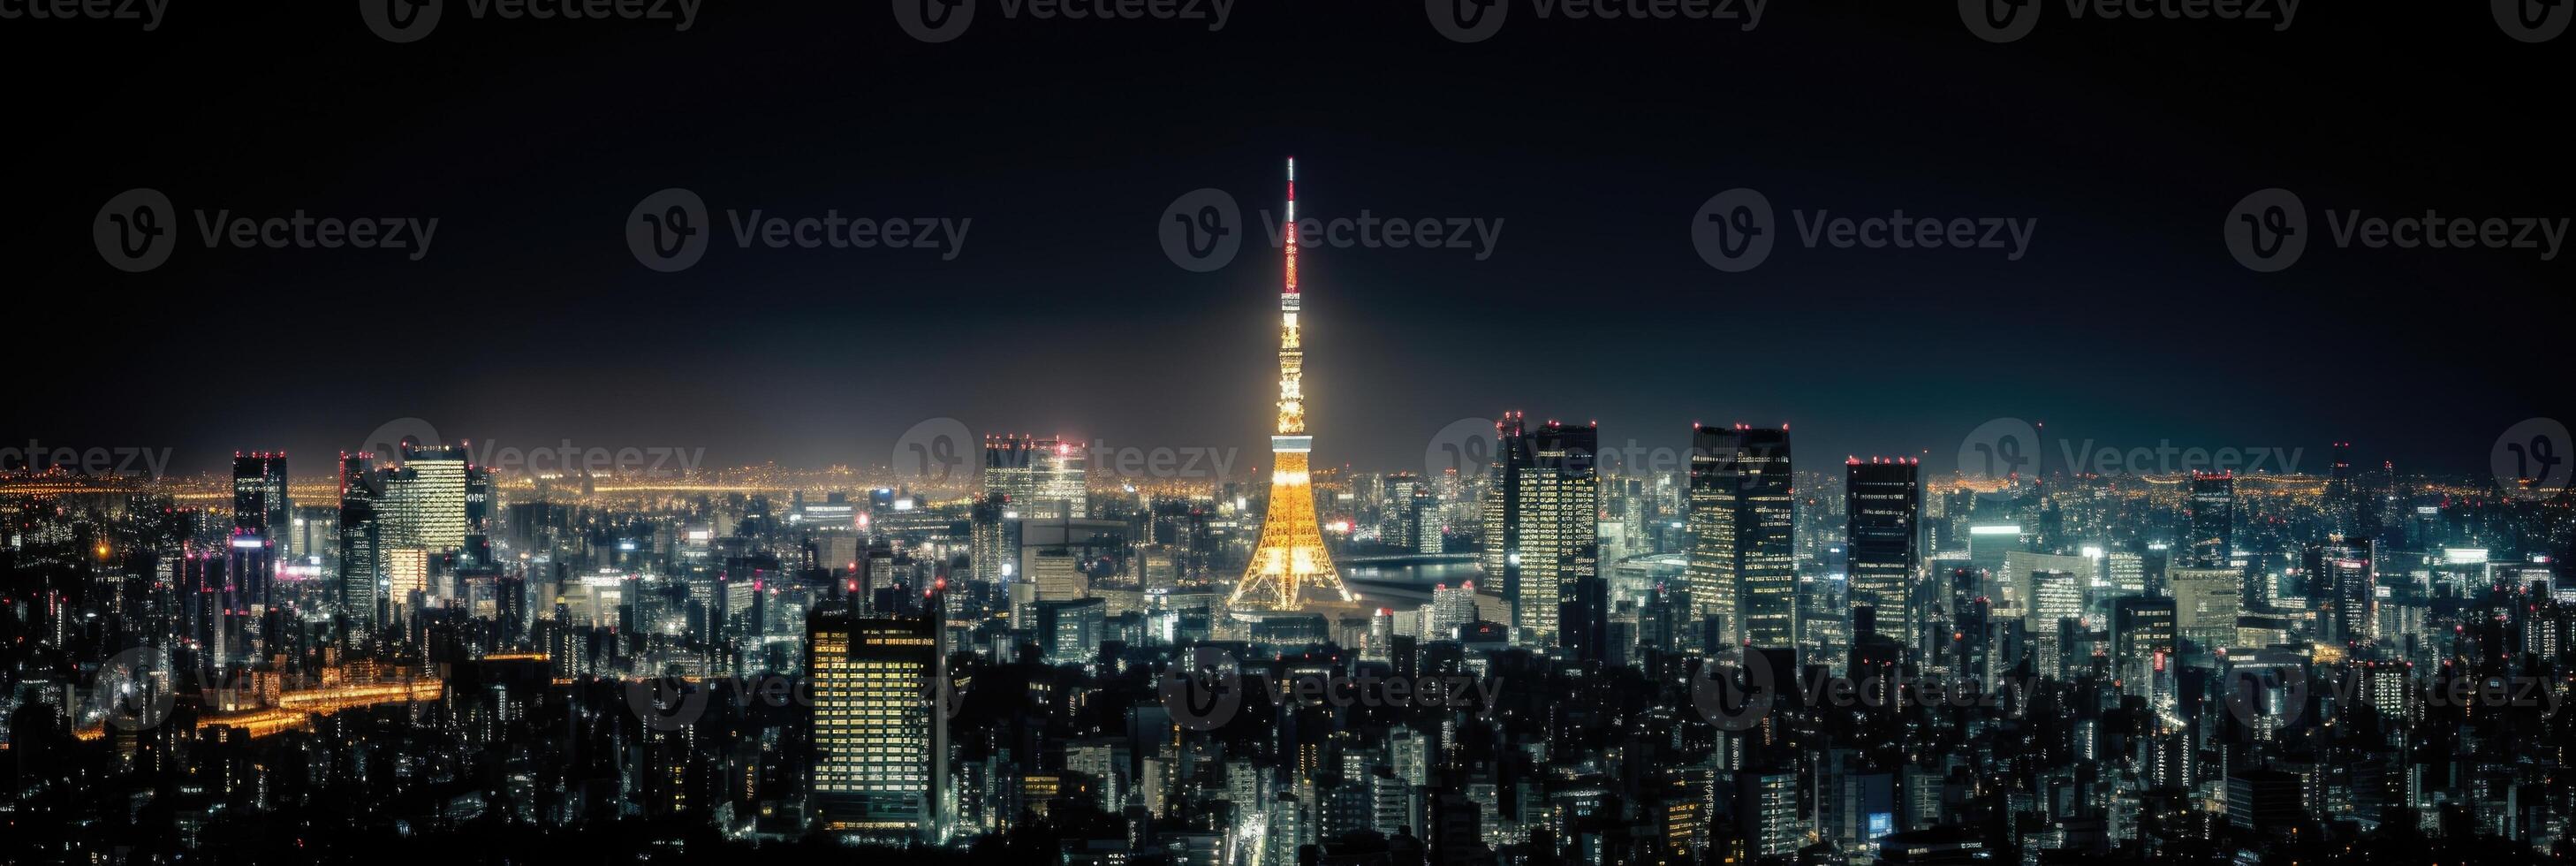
(1290, 560)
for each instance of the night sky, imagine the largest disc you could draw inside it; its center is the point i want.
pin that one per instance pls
(1594, 141)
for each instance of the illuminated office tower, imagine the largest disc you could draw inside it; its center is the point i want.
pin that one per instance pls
(1989, 545)
(425, 498)
(2142, 640)
(1559, 508)
(991, 546)
(1502, 499)
(874, 711)
(2340, 573)
(1451, 608)
(259, 494)
(361, 538)
(1423, 518)
(2207, 602)
(477, 543)
(1882, 534)
(1743, 556)
(2343, 493)
(2056, 599)
(1038, 478)
(2210, 520)
(406, 574)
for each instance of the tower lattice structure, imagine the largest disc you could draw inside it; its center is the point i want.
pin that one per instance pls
(1290, 561)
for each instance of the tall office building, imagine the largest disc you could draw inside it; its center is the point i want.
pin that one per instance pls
(1039, 478)
(874, 710)
(2209, 519)
(1502, 504)
(1743, 556)
(2340, 575)
(1559, 506)
(361, 538)
(2207, 602)
(991, 546)
(1583, 603)
(1882, 536)
(259, 494)
(424, 503)
(2142, 640)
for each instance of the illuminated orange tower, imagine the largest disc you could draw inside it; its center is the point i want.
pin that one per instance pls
(1290, 559)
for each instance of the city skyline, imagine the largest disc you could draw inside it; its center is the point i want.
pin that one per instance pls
(1659, 433)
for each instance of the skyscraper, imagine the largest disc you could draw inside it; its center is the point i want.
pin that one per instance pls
(1882, 536)
(259, 494)
(1583, 602)
(874, 708)
(2340, 574)
(2210, 520)
(1502, 506)
(1290, 556)
(425, 498)
(1559, 507)
(1039, 478)
(361, 538)
(1743, 555)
